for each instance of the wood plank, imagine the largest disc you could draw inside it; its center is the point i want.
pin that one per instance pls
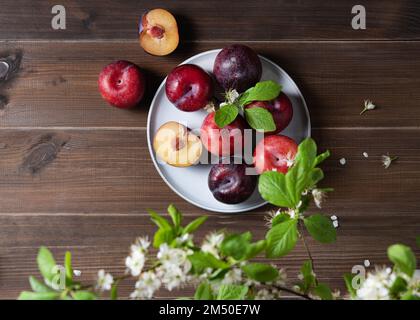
(110, 171)
(102, 242)
(57, 82)
(214, 20)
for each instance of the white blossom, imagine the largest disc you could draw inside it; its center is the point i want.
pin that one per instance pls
(135, 262)
(212, 243)
(265, 294)
(270, 216)
(376, 285)
(290, 159)
(319, 195)
(146, 286)
(343, 161)
(365, 154)
(140, 244)
(172, 277)
(292, 213)
(104, 281)
(387, 160)
(231, 96)
(368, 105)
(174, 267)
(184, 238)
(233, 276)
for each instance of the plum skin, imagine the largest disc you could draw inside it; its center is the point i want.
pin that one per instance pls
(189, 87)
(280, 108)
(237, 67)
(122, 84)
(273, 152)
(216, 142)
(230, 184)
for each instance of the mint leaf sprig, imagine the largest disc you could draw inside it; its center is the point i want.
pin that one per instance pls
(258, 118)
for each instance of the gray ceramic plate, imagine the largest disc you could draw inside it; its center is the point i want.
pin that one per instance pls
(191, 183)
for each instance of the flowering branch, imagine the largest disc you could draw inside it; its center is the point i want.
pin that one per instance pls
(222, 266)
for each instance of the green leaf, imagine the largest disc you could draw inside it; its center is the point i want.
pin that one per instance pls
(282, 238)
(175, 215)
(320, 158)
(46, 263)
(26, 295)
(320, 228)
(348, 280)
(83, 295)
(260, 272)
(202, 260)
(403, 258)
(160, 221)
(280, 218)
(272, 187)
(194, 225)
(163, 236)
(309, 279)
(68, 267)
(232, 292)
(260, 119)
(263, 91)
(204, 292)
(254, 249)
(286, 190)
(114, 290)
(38, 286)
(236, 245)
(398, 287)
(409, 295)
(323, 291)
(226, 115)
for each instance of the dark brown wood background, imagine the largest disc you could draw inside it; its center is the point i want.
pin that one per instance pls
(76, 174)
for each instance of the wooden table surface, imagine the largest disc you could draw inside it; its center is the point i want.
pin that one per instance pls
(76, 174)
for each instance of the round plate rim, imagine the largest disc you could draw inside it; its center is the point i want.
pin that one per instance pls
(152, 155)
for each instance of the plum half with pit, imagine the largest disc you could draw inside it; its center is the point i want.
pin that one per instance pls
(237, 67)
(230, 183)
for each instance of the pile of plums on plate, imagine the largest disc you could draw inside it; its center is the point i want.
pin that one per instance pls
(190, 88)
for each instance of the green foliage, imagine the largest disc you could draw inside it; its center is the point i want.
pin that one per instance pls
(45, 290)
(262, 91)
(282, 238)
(194, 225)
(285, 190)
(260, 119)
(260, 272)
(204, 292)
(226, 115)
(46, 263)
(168, 232)
(309, 279)
(203, 260)
(320, 228)
(403, 258)
(232, 292)
(323, 291)
(348, 280)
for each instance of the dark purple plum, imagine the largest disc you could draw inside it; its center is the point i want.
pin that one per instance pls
(230, 184)
(280, 108)
(237, 67)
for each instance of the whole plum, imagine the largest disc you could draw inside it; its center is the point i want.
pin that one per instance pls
(237, 67)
